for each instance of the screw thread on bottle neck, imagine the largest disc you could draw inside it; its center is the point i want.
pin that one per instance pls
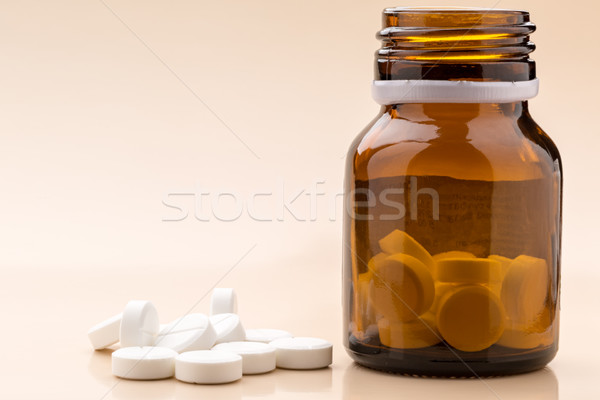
(455, 44)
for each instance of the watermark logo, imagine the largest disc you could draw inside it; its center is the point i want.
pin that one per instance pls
(316, 201)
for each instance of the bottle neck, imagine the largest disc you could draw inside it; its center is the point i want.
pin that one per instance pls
(459, 112)
(455, 44)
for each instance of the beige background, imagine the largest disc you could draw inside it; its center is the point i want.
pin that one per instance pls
(99, 125)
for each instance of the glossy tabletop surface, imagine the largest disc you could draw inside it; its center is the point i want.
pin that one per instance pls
(47, 354)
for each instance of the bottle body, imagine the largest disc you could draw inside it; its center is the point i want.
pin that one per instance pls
(452, 241)
(451, 263)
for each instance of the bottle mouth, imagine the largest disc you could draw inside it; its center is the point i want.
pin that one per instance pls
(456, 35)
(437, 16)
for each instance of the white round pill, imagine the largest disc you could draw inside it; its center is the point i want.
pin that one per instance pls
(139, 324)
(105, 333)
(143, 363)
(266, 335)
(190, 332)
(303, 353)
(223, 301)
(257, 358)
(208, 367)
(228, 328)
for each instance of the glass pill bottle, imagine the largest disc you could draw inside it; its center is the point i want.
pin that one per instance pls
(451, 263)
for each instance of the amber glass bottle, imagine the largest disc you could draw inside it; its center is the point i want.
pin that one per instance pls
(451, 262)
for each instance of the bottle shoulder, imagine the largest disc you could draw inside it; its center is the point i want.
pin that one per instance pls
(481, 147)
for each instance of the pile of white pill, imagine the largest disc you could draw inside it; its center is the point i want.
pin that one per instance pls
(202, 349)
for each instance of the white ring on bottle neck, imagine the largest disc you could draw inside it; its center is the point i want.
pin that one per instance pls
(433, 91)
